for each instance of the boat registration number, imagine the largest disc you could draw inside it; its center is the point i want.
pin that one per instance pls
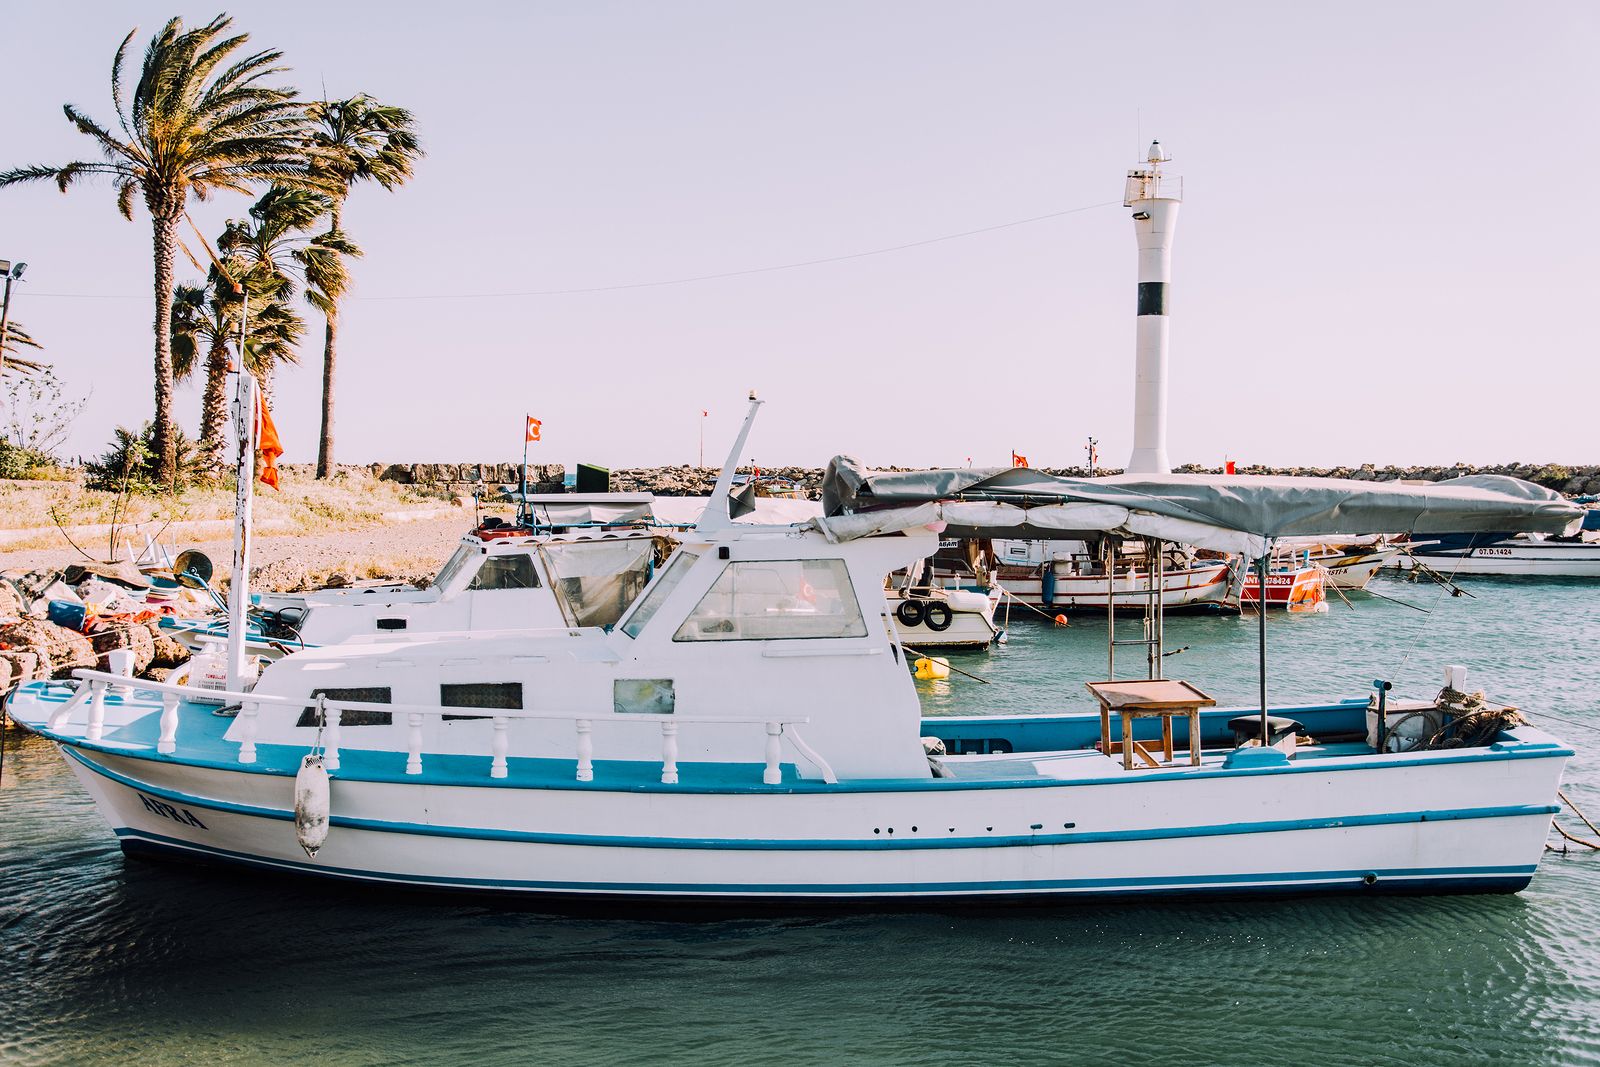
(1494, 552)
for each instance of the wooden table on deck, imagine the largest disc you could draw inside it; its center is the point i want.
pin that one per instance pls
(1161, 698)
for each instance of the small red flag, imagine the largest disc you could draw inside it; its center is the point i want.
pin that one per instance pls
(268, 447)
(704, 413)
(533, 428)
(1018, 460)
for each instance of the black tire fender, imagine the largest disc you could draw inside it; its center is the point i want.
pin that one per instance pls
(909, 612)
(937, 616)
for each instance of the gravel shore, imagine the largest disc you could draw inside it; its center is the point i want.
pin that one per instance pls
(400, 549)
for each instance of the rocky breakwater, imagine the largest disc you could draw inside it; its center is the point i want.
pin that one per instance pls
(33, 648)
(698, 481)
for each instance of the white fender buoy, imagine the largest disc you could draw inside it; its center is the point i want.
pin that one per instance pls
(311, 804)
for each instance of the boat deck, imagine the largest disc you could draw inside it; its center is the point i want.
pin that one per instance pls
(1019, 751)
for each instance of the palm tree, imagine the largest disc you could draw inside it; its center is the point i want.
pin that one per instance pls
(16, 337)
(199, 122)
(356, 140)
(272, 252)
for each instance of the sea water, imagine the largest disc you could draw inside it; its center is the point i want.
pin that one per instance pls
(104, 959)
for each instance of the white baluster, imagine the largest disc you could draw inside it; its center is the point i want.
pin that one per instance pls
(167, 744)
(97, 711)
(247, 731)
(502, 741)
(773, 774)
(585, 750)
(59, 717)
(331, 736)
(414, 744)
(669, 753)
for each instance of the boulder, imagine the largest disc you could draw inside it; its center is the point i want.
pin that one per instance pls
(134, 636)
(61, 651)
(166, 650)
(11, 605)
(21, 667)
(280, 576)
(394, 472)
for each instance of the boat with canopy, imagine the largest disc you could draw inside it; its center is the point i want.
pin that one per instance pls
(749, 730)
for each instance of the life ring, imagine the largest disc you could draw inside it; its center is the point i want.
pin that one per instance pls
(938, 616)
(909, 612)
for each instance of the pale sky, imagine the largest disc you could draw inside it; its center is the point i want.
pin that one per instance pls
(1387, 250)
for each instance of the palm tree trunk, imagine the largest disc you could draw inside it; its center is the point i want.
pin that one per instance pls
(325, 444)
(264, 383)
(329, 355)
(166, 442)
(214, 408)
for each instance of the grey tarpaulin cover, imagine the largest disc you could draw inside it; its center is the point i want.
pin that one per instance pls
(1230, 513)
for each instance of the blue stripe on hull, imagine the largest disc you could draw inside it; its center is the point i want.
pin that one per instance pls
(1400, 880)
(1159, 833)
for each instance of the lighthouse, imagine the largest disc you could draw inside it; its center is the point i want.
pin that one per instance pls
(1154, 201)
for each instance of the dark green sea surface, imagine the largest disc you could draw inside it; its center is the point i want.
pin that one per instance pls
(106, 960)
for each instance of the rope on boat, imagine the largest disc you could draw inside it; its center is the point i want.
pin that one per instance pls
(958, 670)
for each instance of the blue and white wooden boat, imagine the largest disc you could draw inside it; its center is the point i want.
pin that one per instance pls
(749, 730)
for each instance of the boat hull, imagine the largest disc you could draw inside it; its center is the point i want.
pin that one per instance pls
(1180, 588)
(1296, 590)
(1547, 559)
(1354, 570)
(1425, 827)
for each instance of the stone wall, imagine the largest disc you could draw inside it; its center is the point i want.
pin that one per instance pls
(698, 481)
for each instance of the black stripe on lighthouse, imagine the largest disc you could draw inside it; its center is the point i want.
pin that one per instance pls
(1152, 298)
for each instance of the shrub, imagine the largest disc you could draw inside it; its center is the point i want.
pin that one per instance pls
(130, 463)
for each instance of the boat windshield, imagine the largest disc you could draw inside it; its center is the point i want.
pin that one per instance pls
(657, 594)
(595, 581)
(465, 556)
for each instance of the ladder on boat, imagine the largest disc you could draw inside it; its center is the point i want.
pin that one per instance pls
(1154, 620)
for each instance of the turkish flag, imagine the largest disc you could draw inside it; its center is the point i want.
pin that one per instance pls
(533, 428)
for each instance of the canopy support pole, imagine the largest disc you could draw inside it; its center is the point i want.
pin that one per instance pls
(1261, 612)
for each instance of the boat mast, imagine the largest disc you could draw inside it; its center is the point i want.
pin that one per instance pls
(1155, 202)
(717, 515)
(244, 424)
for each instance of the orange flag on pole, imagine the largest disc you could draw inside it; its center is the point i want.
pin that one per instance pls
(268, 447)
(533, 428)
(1018, 460)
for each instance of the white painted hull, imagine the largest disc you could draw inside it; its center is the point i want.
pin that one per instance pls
(967, 629)
(1548, 559)
(1429, 826)
(1354, 570)
(1180, 588)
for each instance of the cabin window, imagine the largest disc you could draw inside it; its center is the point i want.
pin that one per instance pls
(764, 600)
(370, 694)
(656, 595)
(466, 556)
(595, 581)
(505, 695)
(506, 572)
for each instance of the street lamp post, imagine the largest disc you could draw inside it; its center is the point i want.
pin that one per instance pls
(12, 274)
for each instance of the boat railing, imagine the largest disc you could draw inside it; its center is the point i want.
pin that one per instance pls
(96, 685)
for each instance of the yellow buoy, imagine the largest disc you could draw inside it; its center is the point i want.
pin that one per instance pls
(931, 669)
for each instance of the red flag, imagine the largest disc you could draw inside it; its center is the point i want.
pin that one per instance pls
(704, 413)
(268, 447)
(533, 428)
(1018, 460)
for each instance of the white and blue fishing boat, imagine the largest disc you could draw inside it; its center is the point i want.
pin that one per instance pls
(749, 730)
(1511, 554)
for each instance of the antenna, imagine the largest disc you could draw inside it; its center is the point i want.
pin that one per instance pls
(716, 516)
